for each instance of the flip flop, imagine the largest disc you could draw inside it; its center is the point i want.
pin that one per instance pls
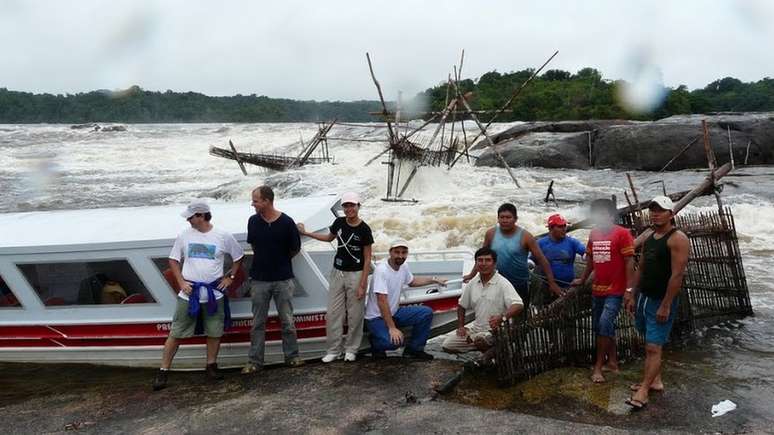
(598, 379)
(636, 404)
(636, 387)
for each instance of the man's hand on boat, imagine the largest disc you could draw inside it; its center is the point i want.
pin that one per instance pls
(396, 337)
(185, 287)
(462, 332)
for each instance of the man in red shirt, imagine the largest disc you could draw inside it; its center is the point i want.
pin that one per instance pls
(610, 255)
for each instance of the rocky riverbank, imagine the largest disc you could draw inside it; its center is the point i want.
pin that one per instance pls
(631, 145)
(384, 396)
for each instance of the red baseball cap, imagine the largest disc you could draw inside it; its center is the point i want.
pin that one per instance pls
(556, 220)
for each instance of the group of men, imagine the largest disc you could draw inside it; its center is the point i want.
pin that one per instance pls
(497, 289)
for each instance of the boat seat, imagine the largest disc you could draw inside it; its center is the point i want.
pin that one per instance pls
(137, 298)
(9, 300)
(54, 300)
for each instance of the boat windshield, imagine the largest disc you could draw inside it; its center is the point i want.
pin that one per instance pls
(106, 282)
(7, 298)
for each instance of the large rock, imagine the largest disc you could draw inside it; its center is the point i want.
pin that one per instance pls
(550, 150)
(635, 145)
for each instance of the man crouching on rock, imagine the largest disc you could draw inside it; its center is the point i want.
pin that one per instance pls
(492, 298)
(383, 312)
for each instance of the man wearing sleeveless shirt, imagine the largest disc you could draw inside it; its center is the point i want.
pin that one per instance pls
(513, 244)
(610, 255)
(659, 279)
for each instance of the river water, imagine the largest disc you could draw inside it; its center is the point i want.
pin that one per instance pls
(46, 167)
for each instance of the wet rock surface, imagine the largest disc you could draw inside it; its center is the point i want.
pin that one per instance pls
(388, 396)
(629, 145)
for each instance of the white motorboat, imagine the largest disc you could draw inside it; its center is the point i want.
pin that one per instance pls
(88, 286)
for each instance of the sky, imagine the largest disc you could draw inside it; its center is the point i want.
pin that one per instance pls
(315, 50)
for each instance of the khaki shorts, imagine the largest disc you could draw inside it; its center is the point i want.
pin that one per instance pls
(183, 325)
(456, 344)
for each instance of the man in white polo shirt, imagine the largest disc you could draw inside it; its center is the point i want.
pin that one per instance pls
(492, 298)
(384, 315)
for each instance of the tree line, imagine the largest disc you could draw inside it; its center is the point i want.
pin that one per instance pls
(559, 95)
(553, 96)
(136, 105)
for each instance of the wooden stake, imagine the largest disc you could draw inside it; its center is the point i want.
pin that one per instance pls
(730, 147)
(711, 162)
(747, 153)
(237, 158)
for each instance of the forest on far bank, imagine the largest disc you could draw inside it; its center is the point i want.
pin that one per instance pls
(555, 95)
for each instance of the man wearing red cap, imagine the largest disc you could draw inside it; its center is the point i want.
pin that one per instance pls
(560, 250)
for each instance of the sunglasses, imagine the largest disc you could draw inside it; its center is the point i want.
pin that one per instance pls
(195, 215)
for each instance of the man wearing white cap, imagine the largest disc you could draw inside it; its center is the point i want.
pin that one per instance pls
(384, 315)
(348, 279)
(659, 279)
(201, 302)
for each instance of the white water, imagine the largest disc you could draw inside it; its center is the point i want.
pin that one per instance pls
(54, 167)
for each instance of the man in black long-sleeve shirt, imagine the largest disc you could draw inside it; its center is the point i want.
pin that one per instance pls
(275, 241)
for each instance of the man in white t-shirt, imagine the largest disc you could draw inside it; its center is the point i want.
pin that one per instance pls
(384, 315)
(492, 298)
(201, 302)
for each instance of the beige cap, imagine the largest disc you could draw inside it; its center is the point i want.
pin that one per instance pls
(664, 202)
(399, 243)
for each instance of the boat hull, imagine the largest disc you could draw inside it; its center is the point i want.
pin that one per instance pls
(140, 345)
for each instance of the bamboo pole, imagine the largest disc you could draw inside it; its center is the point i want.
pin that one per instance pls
(381, 98)
(236, 157)
(483, 131)
(515, 94)
(707, 184)
(682, 151)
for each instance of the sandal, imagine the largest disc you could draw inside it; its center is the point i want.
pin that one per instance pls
(636, 405)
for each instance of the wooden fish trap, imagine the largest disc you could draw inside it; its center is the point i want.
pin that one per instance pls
(560, 334)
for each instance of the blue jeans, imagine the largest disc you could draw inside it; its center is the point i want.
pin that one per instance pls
(420, 318)
(646, 323)
(604, 312)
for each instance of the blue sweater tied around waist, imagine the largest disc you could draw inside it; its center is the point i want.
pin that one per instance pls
(194, 306)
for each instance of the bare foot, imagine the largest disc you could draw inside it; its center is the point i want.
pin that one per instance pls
(654, 387)
(597, 377)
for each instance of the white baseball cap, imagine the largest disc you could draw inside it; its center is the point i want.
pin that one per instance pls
(399, 243)
(351, 198)
(195, 207)
(664, 202)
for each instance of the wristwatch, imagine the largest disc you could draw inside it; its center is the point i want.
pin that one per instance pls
(629, 290)
(231, 277)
